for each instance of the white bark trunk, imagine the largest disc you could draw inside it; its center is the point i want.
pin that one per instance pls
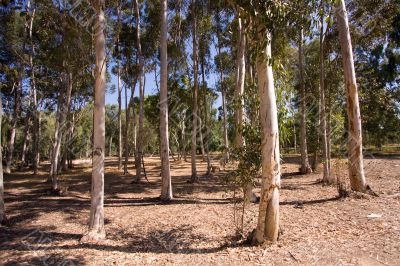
(119, 94)
(194, 177)
(356, 164)
(268, 217)
(305, 165)
(139, 141)
(96, 222)
(240, 78)
(166, 189)
(327, 176)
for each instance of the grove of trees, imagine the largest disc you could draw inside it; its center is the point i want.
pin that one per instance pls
(242, 82)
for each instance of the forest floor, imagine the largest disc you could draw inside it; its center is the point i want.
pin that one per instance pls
(198, 227)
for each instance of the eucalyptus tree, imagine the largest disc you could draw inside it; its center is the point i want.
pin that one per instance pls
(355, 150)
(265, 15)
(300, 14)
(166, 190)
(222, 65)
(15, 41)
(195, 42)
(240, 77)
(138, 154)
(327, 178)
(96, 222)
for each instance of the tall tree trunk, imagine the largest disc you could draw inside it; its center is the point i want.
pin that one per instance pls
(34, 104)
(96, 222)
(119, 91)
(2, 208)
(207, 125)
(305, 165)
(240, 78)
(194, 177)
(138, 161)
(59, 128)
(68, 127)
(268, 217)
(356, 164)
(126, 132)
(166, 189)
(17, 108)
(327, 177)
(223, 94)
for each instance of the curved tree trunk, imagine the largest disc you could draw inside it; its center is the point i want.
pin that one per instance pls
(356, 164)
(194, 177)
(138, 159)
(166, 189)
(268, 217)
(96, 222)
(305, 165)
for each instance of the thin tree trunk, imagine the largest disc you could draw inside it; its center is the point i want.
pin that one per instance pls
(207, 125)
(2, 208)
(268, 217)
(11, 143)
(119, 119)
(326, 177)
(68, 127)
(356, 164)
(119, 90)
(194, 177)
(96, 223)
(305, 165)
(126, 132)
(138, 161)
(240, 78)
(26, 140)
(34, 105)
(223, 95)
(60, 127)
(57, 141)
(201, 140)
(183, 137)
(166, 189)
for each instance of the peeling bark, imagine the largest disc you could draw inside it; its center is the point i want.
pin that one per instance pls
(356, 163)
(268, 217)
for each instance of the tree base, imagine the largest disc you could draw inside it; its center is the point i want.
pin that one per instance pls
(93, 237)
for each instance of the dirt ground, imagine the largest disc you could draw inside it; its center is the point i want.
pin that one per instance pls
(198, 227)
